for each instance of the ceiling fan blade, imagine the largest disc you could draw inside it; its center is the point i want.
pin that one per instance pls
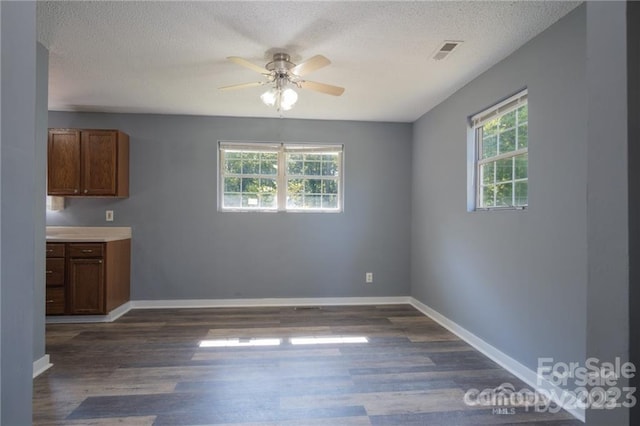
(310, 65)
(241, 86)
(247, 64)
(322, 88)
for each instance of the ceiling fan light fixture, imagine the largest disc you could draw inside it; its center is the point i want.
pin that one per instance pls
(288, 99)
(270, 97)
(282, 99)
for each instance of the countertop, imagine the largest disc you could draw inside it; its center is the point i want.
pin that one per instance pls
(74, 234)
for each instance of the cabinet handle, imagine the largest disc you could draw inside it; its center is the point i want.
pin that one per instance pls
(49, 250)
(99, 261)
(75, 191)
(86, 190)
(49, 272)
(50, 301)
(87, 251)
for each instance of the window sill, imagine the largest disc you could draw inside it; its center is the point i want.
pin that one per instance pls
(499, 209)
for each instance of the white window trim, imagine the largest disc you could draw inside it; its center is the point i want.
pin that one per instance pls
(476, 122)
(282, 148)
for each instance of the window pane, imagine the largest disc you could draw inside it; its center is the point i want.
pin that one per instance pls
(232, 166)
(231, 200)
(295, 201)
(329, 165)
(490, 128)
(295, 167)
(486, 172)
(330, 201)
(507, 141)
(313, 186)
(522, 195)
(312, 168)
(330, 187)
(268, 201)
(523, 114)
(295, 186)
(523, 136)
(504, 170)
(250, 166)
(248, 155)
(489, 146)
(268, 186)
(313, 157)
(312, 201)
(250, 201)
(508, 121)
(250, 185)
(521, 164)
(269, 164)
(232, 184)
(504, 194)
(486, 196)
(295, 191)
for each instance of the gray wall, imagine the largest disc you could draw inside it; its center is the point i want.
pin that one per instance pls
(39, 194)
(607, 186)
(516, 279)
(183, 248)
(17, 208)
(633, 79)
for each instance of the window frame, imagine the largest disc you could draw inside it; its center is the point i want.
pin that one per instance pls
(282, 175)
(476, 125)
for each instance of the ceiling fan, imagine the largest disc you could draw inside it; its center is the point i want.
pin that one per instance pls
(281, 75)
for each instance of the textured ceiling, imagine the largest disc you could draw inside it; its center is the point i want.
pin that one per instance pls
(169, 57)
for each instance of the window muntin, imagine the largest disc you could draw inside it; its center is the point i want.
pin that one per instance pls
(252, 175)
(502, 140)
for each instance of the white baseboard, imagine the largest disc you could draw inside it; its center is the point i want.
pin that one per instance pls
(268, 302)
(41, 365)
(522, 372)
(76, 319)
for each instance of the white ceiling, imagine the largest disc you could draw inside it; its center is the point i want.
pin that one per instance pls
(169, 57)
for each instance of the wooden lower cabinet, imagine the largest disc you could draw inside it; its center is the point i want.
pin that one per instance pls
(55, 301)
(86, 286)
(90, 279)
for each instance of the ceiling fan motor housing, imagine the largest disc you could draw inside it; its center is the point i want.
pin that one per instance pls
(281, 63)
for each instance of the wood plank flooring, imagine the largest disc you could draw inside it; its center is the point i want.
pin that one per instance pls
(148, 368)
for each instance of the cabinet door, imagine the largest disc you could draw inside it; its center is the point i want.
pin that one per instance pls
(99, 162)
(54, 273)
(55, 301)
(63, 159)
(86, 286)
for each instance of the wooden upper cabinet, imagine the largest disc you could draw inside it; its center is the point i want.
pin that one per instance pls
(63, 175)
(88, 163)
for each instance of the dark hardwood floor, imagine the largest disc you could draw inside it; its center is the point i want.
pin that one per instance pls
(148, 368)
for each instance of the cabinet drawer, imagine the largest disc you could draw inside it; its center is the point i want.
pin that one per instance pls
(55, 271)
(86, 250)
(55, 301)
(55, 250)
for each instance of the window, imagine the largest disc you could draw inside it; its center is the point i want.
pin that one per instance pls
(280, 177)
(501, 154)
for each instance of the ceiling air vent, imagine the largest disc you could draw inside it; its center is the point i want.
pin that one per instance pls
(445, 49)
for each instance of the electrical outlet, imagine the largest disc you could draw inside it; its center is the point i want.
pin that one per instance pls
(109, 216)
(369, 277)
